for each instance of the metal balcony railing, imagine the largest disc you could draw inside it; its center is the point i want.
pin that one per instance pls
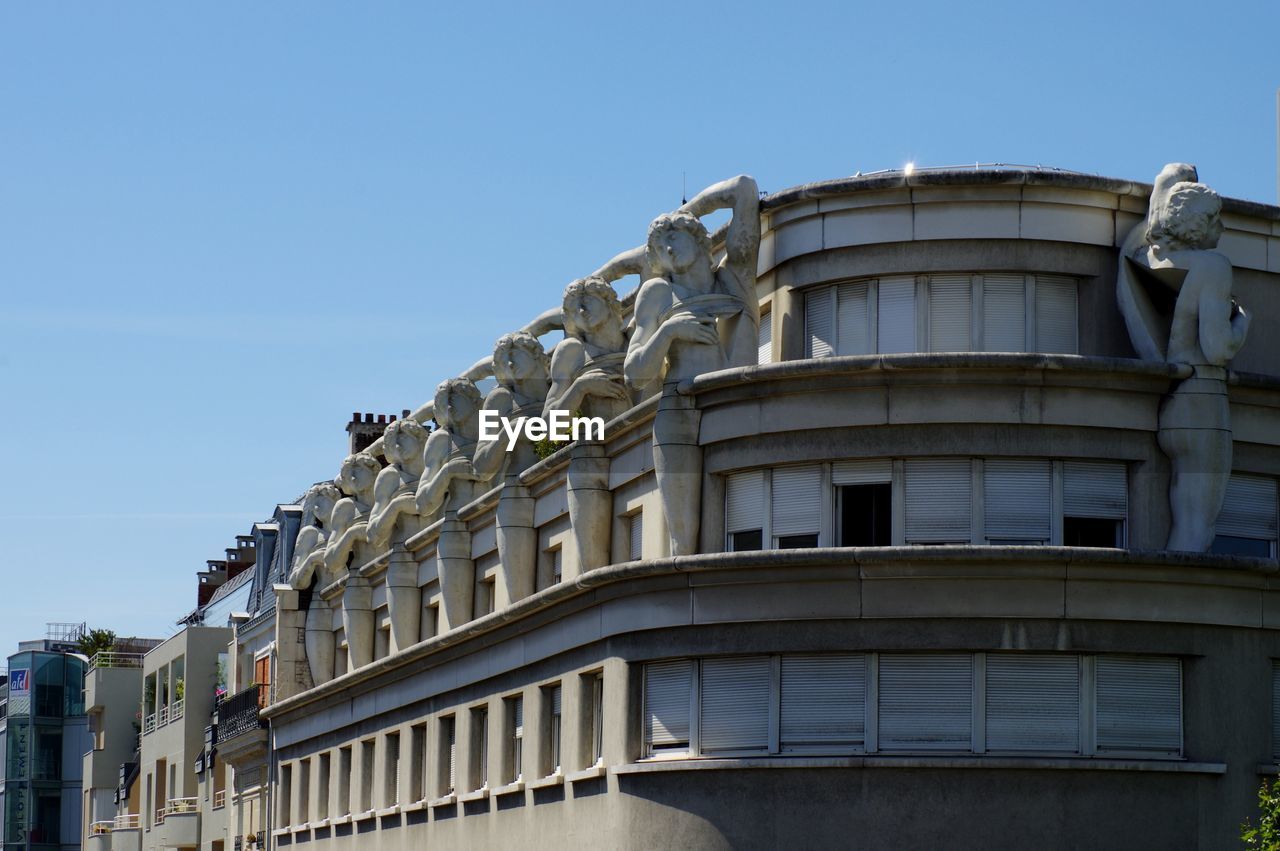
(164, 716)
(219, 799)
(149, 725)
(175, 712)
(178, 806)
(111, 659)
(101, 828)
(238, 714)
(128, 821)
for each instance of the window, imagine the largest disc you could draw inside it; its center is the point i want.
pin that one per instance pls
(949, 297)
(304, 791)
(635, 525)
(366, 775)
(796, 499)
(552, 701)
(286, 795)
(744, 510)
(515, 738)
(765, 339)
(382, 642)
(417, 762)
(1004, 313)
(865, 502)
(1056, 305)
(938, 702)
(323, 786)
(430, 621)
(1016, 500)
(1094, 503)
(938, 493)
(896, 315)
(1247, 523)
(391, 771)
(595, 691)
(448, 755)
(480, 747)
(344, 781)
(557, 565)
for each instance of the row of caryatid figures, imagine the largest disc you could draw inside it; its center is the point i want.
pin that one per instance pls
(694, 313)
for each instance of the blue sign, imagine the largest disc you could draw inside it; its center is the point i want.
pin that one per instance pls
(19, 681)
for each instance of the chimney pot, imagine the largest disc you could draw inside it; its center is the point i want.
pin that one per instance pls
(382, 419)
(368, 417)
(355, 417)
(404, 415)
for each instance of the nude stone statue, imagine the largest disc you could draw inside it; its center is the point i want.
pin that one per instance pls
(522, 369)
(347, 544)
(693, 317)
(449, 479)
(1173, 250)
(307, 569)
(395, 490)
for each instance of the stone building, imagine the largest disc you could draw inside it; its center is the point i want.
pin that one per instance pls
(937, 509)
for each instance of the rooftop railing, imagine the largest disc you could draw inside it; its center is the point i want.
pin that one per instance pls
(238, 714)
(111, 659)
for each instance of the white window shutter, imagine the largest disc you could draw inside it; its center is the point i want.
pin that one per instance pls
(1033, 702)
(1016, 498)
(938, 492)
(453, 754)
(926, 702)
(734, 696)
(1139, 704)
(1056, 315)
(949, 297)
(1095, 489)
(896, 315)
(764, 339)
(1249, 508)
(1004, 313)
(667, 690)
(744, 501)
(636, 542)
(517, 713)
(851, 320)
(797, 496)
(823, 703)
(870, 472)
(1275, 708)
(819, 323)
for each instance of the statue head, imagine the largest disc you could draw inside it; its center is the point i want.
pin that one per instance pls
(358, 473)
(517, 356)
(403, 440)
(1190, 217)
(677, 242)
(590, 303)
(317, 505)
(457, 400)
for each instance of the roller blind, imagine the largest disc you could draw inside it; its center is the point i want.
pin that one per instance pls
(744, 501)
(852, 336)
(1016, 498)
(796, 494)
(517, 716)
(896, 315)
(764, 339)
(819, 323)
(1249, 508)
(1033, 702)
(874, 471)
(453, 754)
(926, 702)
(1094, 489)
(667, 690)
(823, 702)
(636, 541)
(949, 297)
(1004, 312)
(734, 696)
(1139, 704)
(937, 500)
(1056, 315)
(555, 700)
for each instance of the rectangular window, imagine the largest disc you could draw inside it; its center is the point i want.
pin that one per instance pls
(555, 727)
(323, 786)
(668, 690)
(417, 762)
(557, 565)
(735, 704)
(1016, 500)
(1033, 702)
(949, 297)
(391, 772)
(366, 775)
(1247, 523)
(819, 323)
(448, 755)
(1094, 503)
(480, 747)
(926, 702)
(1139, 704)
(635, 525)
(286, 795)
(765, 339)
(938, 492)
(515, 738)
(853, 329)
(1004, 313)
(1056, 299)
(796, 506)
(823, 703)
(744, 510)
(896, 315)
(865, 502)
(596, 691)
(344, 781)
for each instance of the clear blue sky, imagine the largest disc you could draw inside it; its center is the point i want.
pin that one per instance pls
(224, 227)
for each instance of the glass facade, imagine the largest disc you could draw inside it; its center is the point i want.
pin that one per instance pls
(46, 690)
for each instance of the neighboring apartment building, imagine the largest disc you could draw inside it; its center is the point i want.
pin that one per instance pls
(931, 602)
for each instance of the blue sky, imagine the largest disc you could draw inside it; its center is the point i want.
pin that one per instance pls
(225, 227)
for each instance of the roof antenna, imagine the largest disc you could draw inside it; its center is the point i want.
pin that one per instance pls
(683, 193)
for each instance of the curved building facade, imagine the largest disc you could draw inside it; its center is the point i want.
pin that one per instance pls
(917, 574)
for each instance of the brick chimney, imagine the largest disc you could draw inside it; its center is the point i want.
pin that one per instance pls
(365, 428)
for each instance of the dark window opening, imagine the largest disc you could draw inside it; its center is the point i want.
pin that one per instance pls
(1092, 532)
(752, 540)
(797, 542)
(1229, 545)
(866, 515)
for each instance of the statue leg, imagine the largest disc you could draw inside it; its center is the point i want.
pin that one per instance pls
(357, 620)
(404, 598)
(319, 641)
(457, 573)
(1195, 432)
(517, 542)
(590, 505)
(677, 464)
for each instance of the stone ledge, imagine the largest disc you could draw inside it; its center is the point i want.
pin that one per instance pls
(587, 773)
(476, 795)
(444, 801)
(343, 819)
(1028, 763)
(364, 816)
(415, 806)
(389, 811)
(509, 789)
(547, 782)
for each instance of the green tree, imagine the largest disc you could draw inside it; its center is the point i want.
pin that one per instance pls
(1265, 836)
(97, 641)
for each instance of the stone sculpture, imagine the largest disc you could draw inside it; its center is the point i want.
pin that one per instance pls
(522, 369)
(347, 546)
(1173, 251)
(308, 570)
(395, 490)
(586, 378)
(694, 316)
(449, 481)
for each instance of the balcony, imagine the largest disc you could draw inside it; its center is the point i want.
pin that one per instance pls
(241, 736)
(111, 659)
(181, 824)
(149, 725)
(219, 799)
(99, 838)
(175, 711)
(101, 828)
(128, 821)
(164, 716)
